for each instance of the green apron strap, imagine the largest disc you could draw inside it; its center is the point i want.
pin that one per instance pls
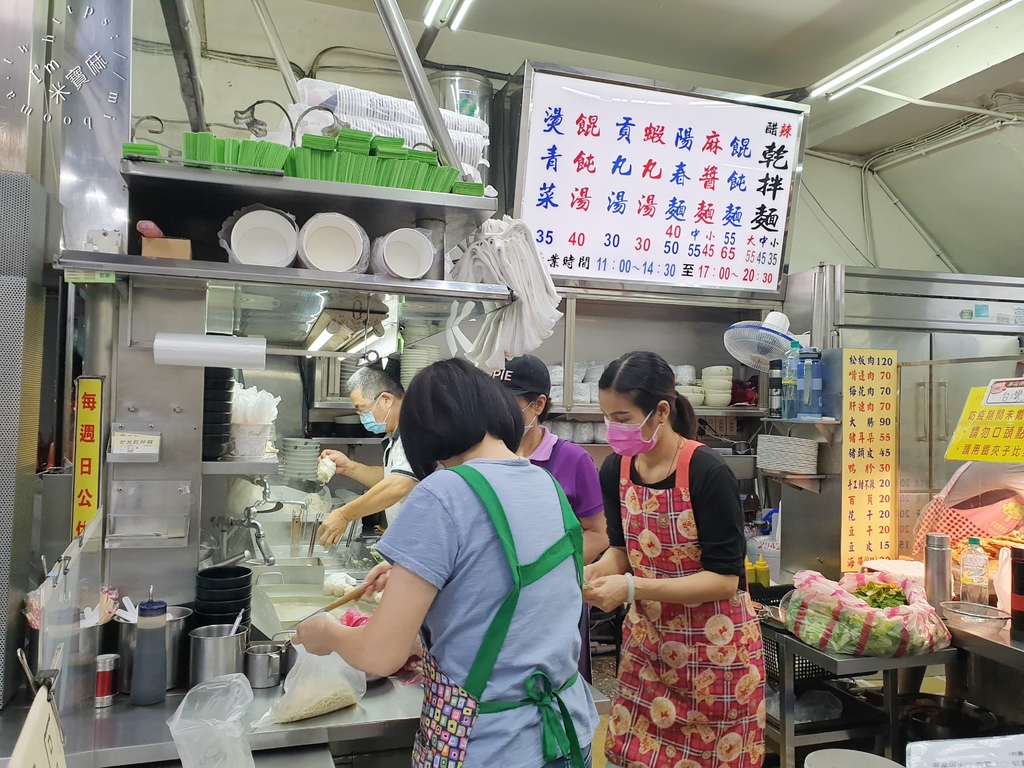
(561, 550)
(572, 527)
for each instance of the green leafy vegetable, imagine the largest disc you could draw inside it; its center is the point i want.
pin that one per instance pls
(881, 595)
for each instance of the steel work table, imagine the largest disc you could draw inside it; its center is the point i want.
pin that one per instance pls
(789, 648)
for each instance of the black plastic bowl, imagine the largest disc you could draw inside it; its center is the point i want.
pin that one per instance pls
(213, 396)
(219, 385)
(219, 373)
(224, 577)
(211, 607)
(220, 595)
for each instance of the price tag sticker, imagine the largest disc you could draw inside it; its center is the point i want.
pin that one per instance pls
(83, 276)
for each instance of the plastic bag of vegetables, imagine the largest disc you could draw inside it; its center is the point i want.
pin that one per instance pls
(865, 614)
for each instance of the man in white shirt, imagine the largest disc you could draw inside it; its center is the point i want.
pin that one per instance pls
(378, 400)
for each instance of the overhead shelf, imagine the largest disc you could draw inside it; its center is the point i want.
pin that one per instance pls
(595, 410)
(194, 202)
(827, 427)
(265, 466)
(810, 483)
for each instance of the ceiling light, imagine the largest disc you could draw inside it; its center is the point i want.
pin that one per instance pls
(460, 15)
(431, 14)
(318, 343)
(881, 61)
(452, 15)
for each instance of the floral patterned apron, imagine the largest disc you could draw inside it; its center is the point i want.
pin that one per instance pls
(449, 709)
(691, 691)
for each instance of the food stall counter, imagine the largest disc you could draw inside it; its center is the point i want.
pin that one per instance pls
(999, 647)
(123, 735)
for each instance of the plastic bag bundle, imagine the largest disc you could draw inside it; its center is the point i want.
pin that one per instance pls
(315, 686)
(505, 254)
(828, 616)
(207, 726)
(253, 406)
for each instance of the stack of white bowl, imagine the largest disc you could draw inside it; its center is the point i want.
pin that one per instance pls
(713, 390)
(415, 359)
(299, 458)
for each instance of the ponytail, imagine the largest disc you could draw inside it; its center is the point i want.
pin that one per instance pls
(684, 419)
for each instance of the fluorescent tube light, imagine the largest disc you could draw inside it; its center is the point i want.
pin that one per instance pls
(431, 13)
(455, 11)
(460, 15)
(325, 335)
(844, 77)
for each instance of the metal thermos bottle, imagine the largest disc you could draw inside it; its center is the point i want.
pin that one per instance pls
(1017, 593)
(938, 569)
(775, 389)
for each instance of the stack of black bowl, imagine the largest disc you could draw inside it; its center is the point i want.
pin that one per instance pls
(219, 385)
(221, 592)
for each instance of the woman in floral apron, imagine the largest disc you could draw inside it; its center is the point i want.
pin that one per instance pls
(691, 676)
(486, 563)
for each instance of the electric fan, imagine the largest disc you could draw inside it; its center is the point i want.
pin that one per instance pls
(754, 343)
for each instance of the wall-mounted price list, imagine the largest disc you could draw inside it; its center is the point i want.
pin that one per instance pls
(621, 182)
(870, 523)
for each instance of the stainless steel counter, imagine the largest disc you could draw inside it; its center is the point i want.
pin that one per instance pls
(125, 735)
(998, 648)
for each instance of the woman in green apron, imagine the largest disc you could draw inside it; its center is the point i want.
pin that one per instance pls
(486, 565)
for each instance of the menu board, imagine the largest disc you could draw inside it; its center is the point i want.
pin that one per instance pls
(991, 427)
(870, 501)
(626, 183)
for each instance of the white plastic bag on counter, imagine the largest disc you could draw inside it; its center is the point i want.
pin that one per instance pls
(253, 406)
(1001, 580)
(207, 726)
(315, 686)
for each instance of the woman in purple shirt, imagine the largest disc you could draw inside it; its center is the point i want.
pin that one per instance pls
(528, 379)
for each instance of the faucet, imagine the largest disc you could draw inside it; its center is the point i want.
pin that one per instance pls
(248, 520)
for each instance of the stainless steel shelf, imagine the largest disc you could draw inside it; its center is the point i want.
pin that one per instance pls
(267, 466)
(348, 441)
(377, 209)
(594, 410)
(211, 271)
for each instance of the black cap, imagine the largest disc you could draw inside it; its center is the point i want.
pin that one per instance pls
(525, 374)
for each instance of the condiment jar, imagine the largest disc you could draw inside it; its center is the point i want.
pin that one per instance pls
(106, 678)
(149, 667)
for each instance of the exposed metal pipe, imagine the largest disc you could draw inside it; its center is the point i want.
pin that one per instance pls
(180, 34)
(426, 42)
(935, 247)
(416, 80)
(277, 47)
(940, 105)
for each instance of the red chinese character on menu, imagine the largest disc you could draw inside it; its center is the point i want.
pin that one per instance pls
(580, 200)
(79, 527)
(84, 498)
(705, 212)
(785, 131)
(586, 125)
(654, 134)
(710, 177)
(89, 401)
(649, 170)
(646, 206)
(585, 162)
(85, 466)
(87, 433)
(712, 143)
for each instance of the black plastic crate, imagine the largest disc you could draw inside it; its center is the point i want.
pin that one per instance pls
(802, 668)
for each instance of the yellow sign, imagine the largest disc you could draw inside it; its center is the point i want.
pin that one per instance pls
(85, 276)
(88, 423)
(991, 427)
(870, 523)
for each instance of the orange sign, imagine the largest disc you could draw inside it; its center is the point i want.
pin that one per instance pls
(88, 428)
(870, 524)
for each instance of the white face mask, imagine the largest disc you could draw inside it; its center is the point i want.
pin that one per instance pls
(529, 426)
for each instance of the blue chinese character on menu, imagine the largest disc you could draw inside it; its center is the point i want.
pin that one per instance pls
(739, 147)
(733, 215)
(552, 119)
(679, 175)
(551, 159)
(624, 128)
(617, 202)
(619, 166)
(737, 182)
(684, 138)
(676, 210)
(546, 196)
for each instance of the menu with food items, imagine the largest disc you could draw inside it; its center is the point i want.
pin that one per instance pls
(634, 183)
(991, 427)
(870, 502)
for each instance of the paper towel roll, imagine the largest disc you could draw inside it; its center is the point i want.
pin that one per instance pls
(216, 351)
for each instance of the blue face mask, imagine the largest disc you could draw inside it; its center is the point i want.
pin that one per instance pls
(371, 424)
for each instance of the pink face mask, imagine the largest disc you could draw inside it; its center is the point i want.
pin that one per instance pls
(627, 439)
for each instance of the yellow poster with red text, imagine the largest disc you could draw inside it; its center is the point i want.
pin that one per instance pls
(870, 524)
(991, 427)
(88, 423)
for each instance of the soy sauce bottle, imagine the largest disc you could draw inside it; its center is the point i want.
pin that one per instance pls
(149, 665)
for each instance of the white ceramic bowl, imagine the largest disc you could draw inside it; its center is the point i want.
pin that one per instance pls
(695, 399)
(684, 389)
(718, 385)
(717, 399)
(405, 253)
(264, 238)
(334, 243)
(717, 372)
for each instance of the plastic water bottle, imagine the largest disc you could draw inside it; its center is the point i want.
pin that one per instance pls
(974, 573)
(790, 369)
(149, 665)
(808, 384)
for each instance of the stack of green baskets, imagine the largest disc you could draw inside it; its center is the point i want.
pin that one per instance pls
(205, 147)
(141, 150)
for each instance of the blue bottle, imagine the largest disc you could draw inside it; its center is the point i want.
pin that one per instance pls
(808, 384)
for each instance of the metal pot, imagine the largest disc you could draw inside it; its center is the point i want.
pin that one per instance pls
(215, 652)
(263, 664)
(291, 655)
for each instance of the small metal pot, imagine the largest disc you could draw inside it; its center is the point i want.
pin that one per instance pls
(742, 448)
(263, 664)
(291, 655)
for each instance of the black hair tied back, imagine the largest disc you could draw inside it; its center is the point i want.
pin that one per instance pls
(646, 379)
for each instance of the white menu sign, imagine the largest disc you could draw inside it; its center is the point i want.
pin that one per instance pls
(621, 182)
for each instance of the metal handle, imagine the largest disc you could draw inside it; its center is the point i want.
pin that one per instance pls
(922, 389)
(944, 390)
(269, 573)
